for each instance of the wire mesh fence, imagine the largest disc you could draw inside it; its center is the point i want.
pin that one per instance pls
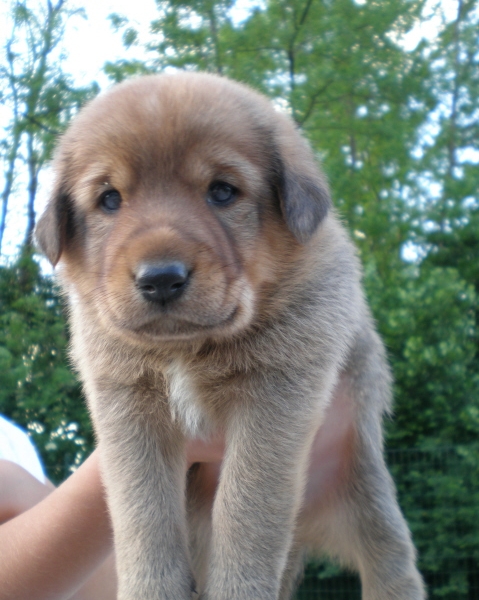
(438, 491)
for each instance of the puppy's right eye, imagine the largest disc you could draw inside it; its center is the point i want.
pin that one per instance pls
(110, 201)
(221, 193)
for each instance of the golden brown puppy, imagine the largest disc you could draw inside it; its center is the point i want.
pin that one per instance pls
(213, 290)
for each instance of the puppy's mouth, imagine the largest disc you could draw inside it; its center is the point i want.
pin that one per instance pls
(177, 327)
(148, 315)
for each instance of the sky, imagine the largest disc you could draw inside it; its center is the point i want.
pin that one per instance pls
(91, 41)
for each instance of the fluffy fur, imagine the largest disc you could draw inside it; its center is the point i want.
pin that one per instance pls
(270, 343)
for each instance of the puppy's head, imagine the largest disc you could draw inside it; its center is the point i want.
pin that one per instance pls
(179, 203)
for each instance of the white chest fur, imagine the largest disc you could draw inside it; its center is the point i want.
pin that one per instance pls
(184, 402)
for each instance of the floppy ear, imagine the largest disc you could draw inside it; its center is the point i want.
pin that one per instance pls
(51, 229)
(303, 190)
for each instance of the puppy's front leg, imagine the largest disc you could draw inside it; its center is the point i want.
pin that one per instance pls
(260, 490)
(143, 461)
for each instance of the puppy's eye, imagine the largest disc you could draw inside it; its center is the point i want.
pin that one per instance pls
(221, 193)
(110, 201)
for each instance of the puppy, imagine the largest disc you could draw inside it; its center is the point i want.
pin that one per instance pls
(213, 291)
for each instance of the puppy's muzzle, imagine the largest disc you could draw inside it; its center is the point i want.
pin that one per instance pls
(162, 282)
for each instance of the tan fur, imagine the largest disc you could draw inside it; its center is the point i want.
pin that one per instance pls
(270, 343)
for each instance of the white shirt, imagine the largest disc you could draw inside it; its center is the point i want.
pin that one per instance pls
(16, 446)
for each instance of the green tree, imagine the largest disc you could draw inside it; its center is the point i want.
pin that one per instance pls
(450, 220)
(38, 389)
(39, 96)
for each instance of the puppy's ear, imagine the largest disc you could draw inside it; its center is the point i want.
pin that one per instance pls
(51, 229)
(303, 190)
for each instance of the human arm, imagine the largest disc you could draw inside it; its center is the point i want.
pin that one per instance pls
(19, 490)
(50, 550)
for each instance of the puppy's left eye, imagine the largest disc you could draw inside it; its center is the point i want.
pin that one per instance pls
(221, 193)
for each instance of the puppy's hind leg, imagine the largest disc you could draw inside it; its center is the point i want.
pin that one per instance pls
(381, 544)
(293, 572)
(363, 525)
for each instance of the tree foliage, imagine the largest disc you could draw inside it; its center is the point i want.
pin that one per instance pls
(38, 389)
(39, 97)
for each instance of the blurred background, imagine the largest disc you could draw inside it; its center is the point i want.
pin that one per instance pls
(387, 92)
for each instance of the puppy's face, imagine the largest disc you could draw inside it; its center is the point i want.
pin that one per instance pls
(180, 202)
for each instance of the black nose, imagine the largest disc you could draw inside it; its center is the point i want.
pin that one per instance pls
(162, 282)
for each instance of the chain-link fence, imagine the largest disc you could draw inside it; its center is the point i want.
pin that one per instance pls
(439, 494)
